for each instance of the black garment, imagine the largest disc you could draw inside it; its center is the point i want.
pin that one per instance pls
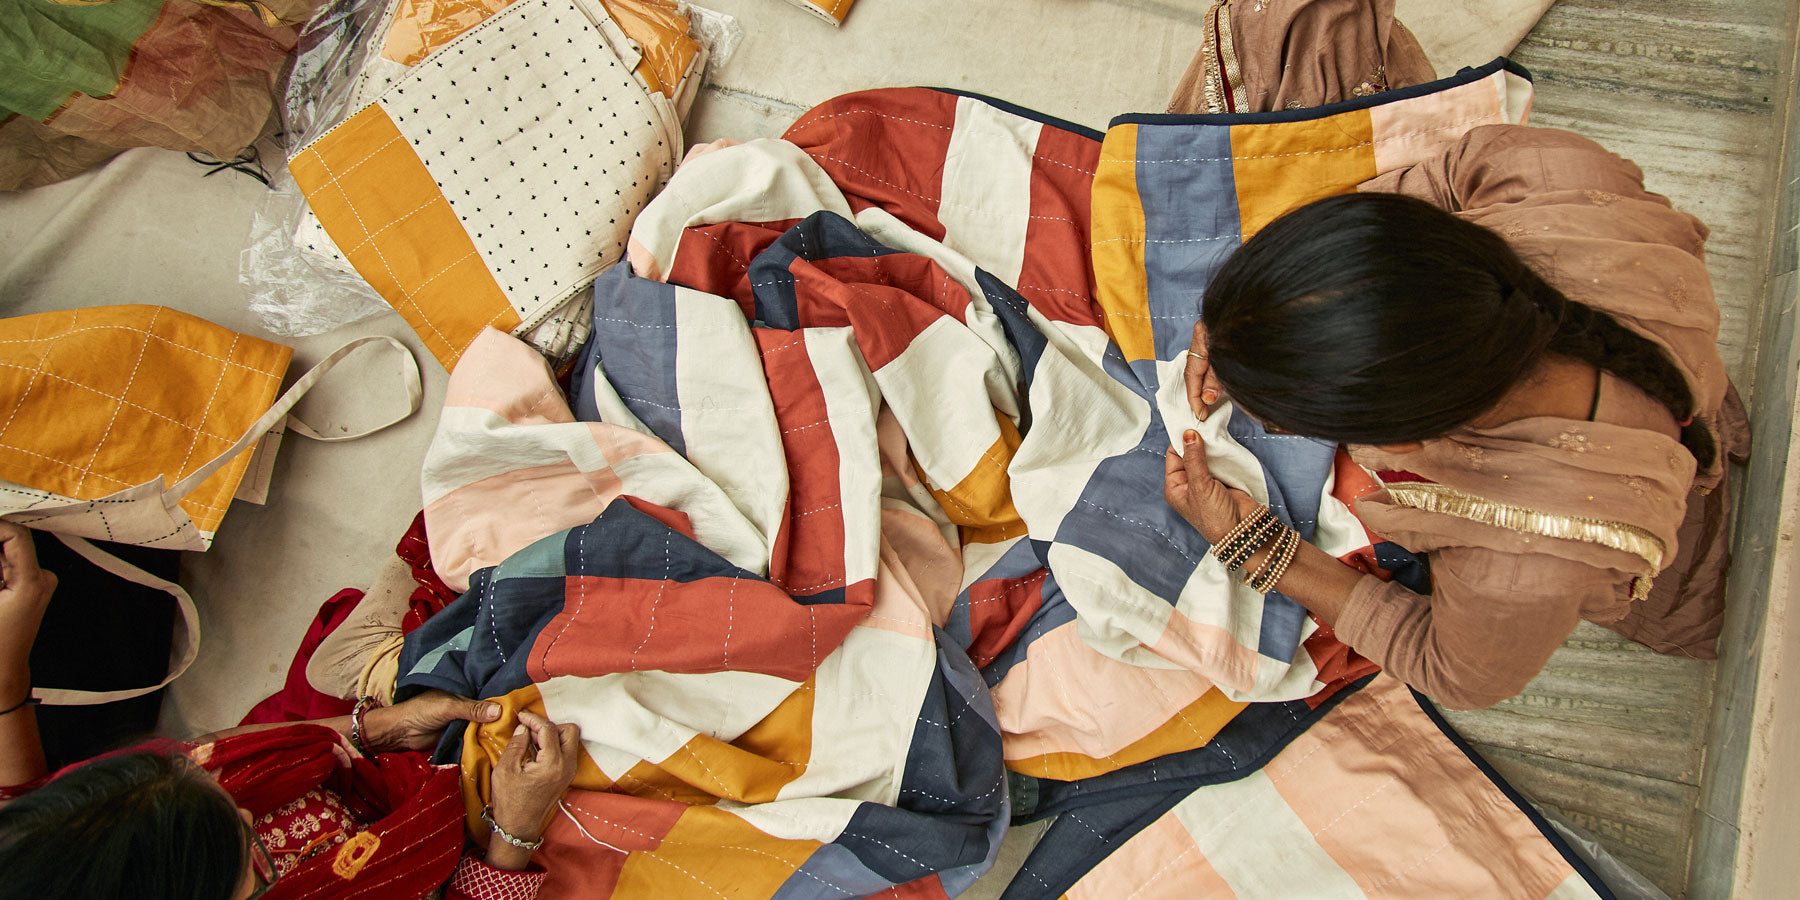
(101, 633)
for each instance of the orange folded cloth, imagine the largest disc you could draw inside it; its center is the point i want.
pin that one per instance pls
(832, 11)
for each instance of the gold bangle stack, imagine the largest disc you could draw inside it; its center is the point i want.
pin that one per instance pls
(1242, 542)
(1263, 580)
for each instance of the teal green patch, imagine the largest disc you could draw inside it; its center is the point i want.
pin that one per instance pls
(49, 52)
(429, 661)
(542, 559)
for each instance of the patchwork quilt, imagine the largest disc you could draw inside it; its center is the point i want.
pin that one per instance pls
(849, 543)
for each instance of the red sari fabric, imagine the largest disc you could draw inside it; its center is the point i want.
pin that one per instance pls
(414, 810)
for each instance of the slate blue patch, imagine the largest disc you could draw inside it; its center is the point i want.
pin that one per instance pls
(633, 347)
(1188, 192)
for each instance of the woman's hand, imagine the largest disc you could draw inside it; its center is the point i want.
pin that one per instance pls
(418, 723)
(534, 771)
(1203, 388)
(1204, 501)
(24, 596)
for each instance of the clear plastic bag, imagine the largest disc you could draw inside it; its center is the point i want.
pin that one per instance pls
(299, 286)
(719, 32)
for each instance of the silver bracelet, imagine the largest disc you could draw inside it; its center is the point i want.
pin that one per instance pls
(487, 815)
(356, 725)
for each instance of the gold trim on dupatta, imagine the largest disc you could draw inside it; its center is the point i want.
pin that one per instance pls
(1224, 75)
(1438, 498)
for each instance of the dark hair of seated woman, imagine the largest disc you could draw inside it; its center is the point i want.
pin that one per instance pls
(137, 825)
(1380, 319)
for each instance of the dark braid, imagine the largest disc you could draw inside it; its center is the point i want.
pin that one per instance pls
(1585, 333)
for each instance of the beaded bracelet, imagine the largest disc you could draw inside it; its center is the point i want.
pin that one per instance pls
(1236, 556)
(1237, 531)
(1229, 547)
(1270, 529)
(356, 725)
(1276, 564)
(487, 815)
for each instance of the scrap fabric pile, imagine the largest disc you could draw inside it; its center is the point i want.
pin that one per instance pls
(849, 549)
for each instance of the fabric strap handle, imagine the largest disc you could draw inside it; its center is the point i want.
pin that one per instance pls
(187, 646)
(409, 373)
(181, 655)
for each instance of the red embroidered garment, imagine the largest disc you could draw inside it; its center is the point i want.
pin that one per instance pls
(415, 835)
(316, 822)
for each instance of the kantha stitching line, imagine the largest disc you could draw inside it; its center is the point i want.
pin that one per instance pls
(143, 346)
(405, 295)
(197, 432)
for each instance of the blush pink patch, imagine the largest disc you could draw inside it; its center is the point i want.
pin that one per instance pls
(1160, 861)
(898, 608)
(643, 262)
(1045, 703)
(930, 562)
(1207, 648)
(502, 373)
(482, 523)
(1377, 763)
(1407, 131)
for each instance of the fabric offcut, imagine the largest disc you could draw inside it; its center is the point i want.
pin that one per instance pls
(79, 83)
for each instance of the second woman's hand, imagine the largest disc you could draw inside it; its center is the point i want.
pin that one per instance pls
(418, 723)
(25, 593)
(532, 774)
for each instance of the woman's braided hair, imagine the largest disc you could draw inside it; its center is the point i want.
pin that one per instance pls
(1378, 319)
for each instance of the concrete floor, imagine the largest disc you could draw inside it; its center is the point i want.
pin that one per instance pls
(1610, 735)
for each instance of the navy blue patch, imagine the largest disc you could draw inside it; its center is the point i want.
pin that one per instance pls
(820, 236)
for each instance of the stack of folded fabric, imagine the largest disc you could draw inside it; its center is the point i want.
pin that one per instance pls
(493, 157)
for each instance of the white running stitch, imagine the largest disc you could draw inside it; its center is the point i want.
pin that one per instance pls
(1131, 240)
(120, 399)
(852, 112)
(661, 588)
(351, 204)
(580, 595)
(890, 848)
(235, 337)
(420, 208)
(1381, 140)
(32, 381)
(104, 435)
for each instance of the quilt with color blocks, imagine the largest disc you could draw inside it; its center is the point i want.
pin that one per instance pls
(849, 542)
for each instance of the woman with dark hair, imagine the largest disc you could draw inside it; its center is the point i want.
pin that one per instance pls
(1519, 341)
(348, 806)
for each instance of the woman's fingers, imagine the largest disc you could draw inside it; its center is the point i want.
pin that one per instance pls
(1194, 374)
(476, 710)
(1203, 388)
(1174, 480)
(544, 736)
(1193, 459)
(18, 556)
(512, 759)
(571, 739)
